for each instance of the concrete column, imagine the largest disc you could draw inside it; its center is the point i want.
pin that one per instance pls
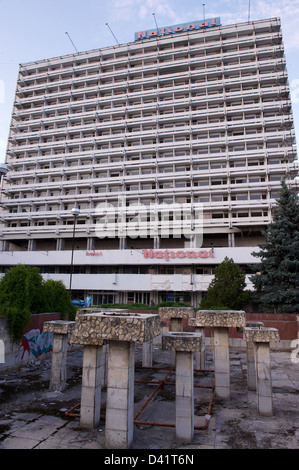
(105, 365)
(222, 365)
(93, 366)
(251, 372)
(120, 395)
(176, 324)
(263, 379)
(58, 367)
(184, 404)
(200, 356)
(147, 353)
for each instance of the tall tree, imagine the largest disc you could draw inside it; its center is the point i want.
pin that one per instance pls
(276, 283)
(227, 289)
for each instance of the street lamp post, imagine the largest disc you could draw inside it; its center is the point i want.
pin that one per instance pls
(75, 213)
(3, 171)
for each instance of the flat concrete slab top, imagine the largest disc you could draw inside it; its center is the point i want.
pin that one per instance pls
(182, 341)
(98, 327)
(61, 327)
(219, 318)
(83, 311)
(254, 324)
(261, 335)
(176, 312)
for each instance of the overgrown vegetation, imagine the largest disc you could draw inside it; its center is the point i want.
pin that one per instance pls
(23, 292)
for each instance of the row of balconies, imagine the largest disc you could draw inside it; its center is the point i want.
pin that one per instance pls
(203, 124)
(200, 103)
(156, 129)
(180, 88)
(95, 89)
(144, 104)
(161, 137)
(159, 62)
(214, 178)
(246, 127)
(153, 173)
(251, 158)
(89, 216)
(124, 116)
(52, 211)
(137, 51)
(116, 176)
(203, 74)
(238, 219)
(236, 81)
(234, 190)
(227, 117)
(180, 142)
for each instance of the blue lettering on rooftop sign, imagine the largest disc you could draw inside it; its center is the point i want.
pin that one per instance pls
(177, 28)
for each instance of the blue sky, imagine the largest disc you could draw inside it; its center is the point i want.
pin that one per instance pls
(35, 29)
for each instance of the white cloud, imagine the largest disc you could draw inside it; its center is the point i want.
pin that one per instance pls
(143, 9)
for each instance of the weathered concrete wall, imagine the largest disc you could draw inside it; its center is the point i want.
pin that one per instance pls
(33, 344)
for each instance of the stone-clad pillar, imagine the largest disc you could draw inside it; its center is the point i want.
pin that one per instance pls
(184, 344)
(94, 328)
(261, 337)
(61, 330)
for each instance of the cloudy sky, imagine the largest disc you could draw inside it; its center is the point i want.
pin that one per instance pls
(35, 29)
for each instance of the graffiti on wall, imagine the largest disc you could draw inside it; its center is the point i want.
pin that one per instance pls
(36, 342)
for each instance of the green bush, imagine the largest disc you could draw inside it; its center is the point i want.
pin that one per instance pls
(23, 292)
(227, 288)
(56, 298)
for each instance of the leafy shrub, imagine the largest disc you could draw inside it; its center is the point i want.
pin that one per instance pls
(23, 292)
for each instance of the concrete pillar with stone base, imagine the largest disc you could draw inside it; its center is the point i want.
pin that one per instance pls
(199, 356)
(184, 345)
(222, 363)
(120, 395)
(221, 321)
(92, 378)
(121, 331)
(147, 354)
(251, 371)
(261, 338)
(61, 333)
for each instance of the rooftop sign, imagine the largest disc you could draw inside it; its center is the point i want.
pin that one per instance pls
(177, 28)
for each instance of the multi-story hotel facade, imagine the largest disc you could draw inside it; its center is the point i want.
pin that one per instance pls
(195, 117)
